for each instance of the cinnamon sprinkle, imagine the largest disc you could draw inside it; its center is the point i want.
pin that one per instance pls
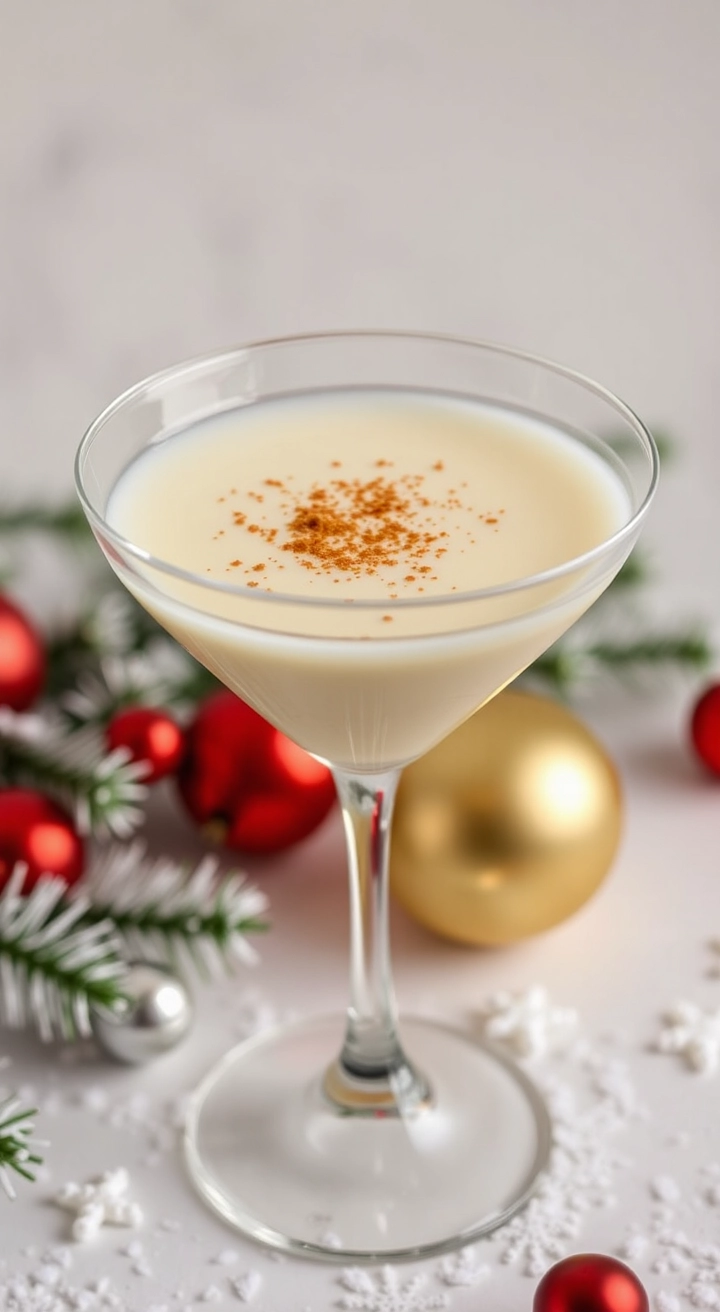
(358, 527)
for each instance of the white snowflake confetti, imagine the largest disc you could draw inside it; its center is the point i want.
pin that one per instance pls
(33, 1293)
(666, 1302)
(692, 1264)
(699, 1261)
(527, 1022)
(95, 1099)
(247, 1286)
(582, 1168)
(330, 1239)
(693, 1034)
(463, 1268)
(634, 1248)
(133, 1249)
(384, 1292)
(226, 1257)
(665, 1189)
(102, 1201)
(254, 1014)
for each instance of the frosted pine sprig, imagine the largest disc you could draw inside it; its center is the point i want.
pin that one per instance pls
(103, 789)
(117, 656)
(161, 675)
(571, 663)
(112, 625)
(63, 952)
(65, 521)
(54, 964)
(165, 913)
(17, 1144)
(107, 628)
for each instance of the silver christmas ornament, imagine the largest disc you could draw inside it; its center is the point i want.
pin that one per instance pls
(154, 1017)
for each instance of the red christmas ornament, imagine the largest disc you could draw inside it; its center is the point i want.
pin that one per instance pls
(150, 735)
(705, 728)
(22, 659)
(590, 1282)
(248, 785)
(35, 830)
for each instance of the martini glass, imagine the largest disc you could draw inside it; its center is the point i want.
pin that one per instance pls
(350, 1137)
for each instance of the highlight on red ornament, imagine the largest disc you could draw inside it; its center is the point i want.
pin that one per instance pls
(150, 735)
(38, 832)
(247, 784)
(22, 659)
(590, 1282)
(705, 728)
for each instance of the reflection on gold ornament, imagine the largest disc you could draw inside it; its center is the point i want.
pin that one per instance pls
(508, 826)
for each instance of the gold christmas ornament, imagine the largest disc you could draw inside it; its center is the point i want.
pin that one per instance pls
(508, 826)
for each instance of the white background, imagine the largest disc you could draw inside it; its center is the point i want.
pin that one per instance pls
(176, 176)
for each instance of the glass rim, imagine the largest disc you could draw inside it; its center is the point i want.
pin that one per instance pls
(125, 547)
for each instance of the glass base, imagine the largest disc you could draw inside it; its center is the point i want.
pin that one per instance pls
(279, 1161)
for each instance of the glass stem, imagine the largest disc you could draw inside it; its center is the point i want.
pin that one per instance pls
(372, 1072)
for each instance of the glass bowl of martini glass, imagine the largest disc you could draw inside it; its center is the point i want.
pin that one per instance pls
(366, 536)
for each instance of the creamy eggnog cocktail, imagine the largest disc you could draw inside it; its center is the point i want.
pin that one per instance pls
(366, 536)
(367, 499)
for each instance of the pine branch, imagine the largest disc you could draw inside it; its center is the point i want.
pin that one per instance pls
(115, 655)
(105, 628)
(63, 954)
(163, 675)
(16, 1143)
(164, 913)
(624, 445)
(102, 789)
(690, 650)
(66, 521)
(113, 625)
(54, 964)
(565, 665)
(632, 573)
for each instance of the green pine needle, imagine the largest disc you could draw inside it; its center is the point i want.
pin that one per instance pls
(181, 693)
(118, 628)
(624, 445)
(631, 574)
(687, 650)
(176, 938)
(16, 1144)
(65, 521)
(73, 988)
(566, 665)
(164, 912)
(104, 790)
(54, 966)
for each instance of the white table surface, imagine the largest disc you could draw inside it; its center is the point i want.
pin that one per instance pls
(181, 175)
